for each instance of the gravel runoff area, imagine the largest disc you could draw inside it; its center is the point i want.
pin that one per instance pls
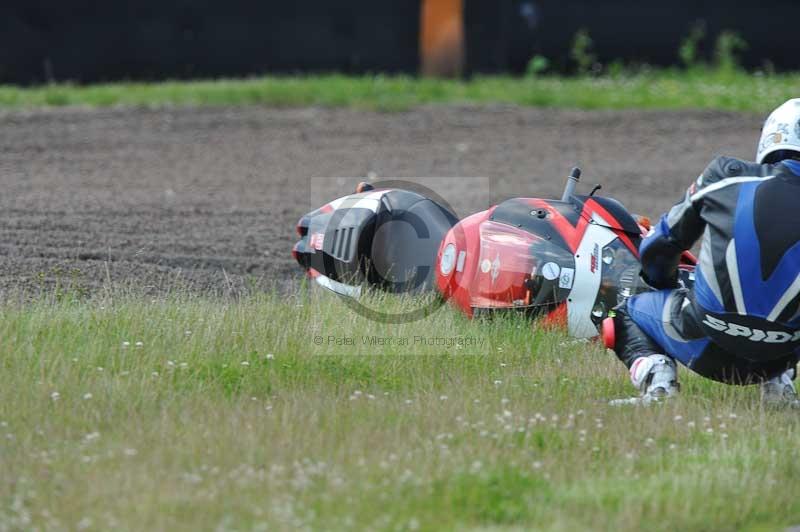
(207, 198)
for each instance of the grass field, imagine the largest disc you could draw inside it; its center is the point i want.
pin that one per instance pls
(659, 89)
(186, 413)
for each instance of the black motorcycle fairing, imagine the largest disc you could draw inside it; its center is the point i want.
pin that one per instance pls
(387, 238)
(622, 218)
(406, 241)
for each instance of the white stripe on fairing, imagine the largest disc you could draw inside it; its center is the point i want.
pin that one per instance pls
(786, 298)
(587, 284)
(733, 274)
(339, 288)
(364, 203)
(370, 201)
(726, 183)
(338, 201)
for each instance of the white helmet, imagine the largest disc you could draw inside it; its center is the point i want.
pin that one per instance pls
(781, 132)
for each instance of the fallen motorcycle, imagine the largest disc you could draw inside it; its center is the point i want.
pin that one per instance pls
(568, 261)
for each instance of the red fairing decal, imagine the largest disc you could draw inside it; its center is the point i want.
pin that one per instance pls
(573, 234)
(595, 258)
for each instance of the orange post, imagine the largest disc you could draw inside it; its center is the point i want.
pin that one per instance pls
(442, 38)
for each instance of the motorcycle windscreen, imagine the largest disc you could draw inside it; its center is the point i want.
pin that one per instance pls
(520, 269)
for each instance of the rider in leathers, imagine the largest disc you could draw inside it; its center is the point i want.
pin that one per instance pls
(740, 323)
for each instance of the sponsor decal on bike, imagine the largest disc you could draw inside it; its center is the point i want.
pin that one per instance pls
(595, 258)
(462, 256)
(317, 240)
(496, 268)
(551, 271)
(566, 278)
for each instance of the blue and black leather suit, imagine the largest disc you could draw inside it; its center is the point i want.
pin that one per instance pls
(740, 322)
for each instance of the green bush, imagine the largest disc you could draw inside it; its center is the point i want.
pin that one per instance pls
(688, 51)
(581, 52)
(728, 45)
(537, 65)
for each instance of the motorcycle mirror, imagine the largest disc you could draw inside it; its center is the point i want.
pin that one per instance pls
(595, 189)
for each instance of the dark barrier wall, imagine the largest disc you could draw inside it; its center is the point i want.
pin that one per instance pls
(97, 40)
(502, 35)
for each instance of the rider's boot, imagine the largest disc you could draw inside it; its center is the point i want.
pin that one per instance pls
(780, 391)
(655, 376)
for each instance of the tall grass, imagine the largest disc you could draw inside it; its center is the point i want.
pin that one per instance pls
(698, 87)
(190, 413)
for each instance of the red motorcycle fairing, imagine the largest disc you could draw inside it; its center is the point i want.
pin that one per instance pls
(568, 262)
(574, 260)
(514, 268)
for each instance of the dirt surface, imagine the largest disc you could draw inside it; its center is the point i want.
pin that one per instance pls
(208, 198)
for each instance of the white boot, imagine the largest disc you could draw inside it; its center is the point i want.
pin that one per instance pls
(780, 390)
(655, 376)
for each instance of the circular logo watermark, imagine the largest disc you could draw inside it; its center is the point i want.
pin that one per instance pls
(402, 255)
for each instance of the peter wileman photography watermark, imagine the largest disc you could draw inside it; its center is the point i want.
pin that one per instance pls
(371, 340)
(383, 240)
